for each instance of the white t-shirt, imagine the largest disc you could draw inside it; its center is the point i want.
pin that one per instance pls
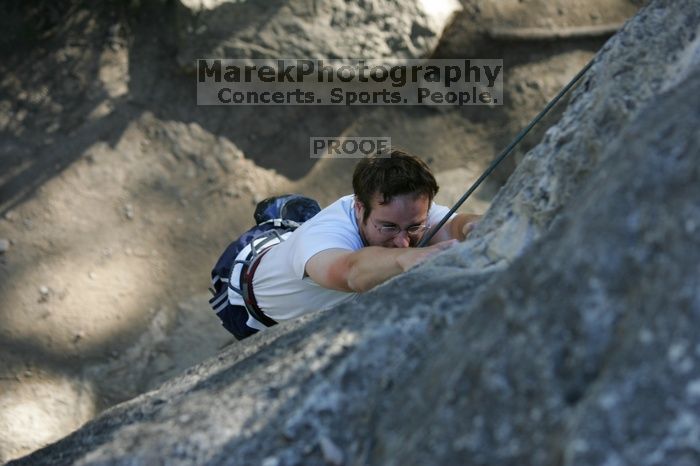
(281, 289)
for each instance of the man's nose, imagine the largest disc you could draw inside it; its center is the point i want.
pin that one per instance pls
(402, 240)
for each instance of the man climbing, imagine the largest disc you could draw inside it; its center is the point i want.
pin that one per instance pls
(351, 246)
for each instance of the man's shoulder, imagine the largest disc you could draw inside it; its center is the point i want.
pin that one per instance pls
(333, 226)
(343, 204)
(339, 212)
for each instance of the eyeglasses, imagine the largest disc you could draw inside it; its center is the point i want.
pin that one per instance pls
(394, 230)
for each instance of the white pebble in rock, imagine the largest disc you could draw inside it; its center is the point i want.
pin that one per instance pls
(4, 245)
(270, 461)
(331, 453)
(44, 290)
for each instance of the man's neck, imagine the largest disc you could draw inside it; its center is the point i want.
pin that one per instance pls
(359, 229)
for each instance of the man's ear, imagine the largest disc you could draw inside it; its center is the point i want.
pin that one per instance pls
(359, 209)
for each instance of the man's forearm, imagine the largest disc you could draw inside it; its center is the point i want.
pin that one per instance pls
(370, 266)
(373, 265)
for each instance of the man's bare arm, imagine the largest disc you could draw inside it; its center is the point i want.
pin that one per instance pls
(362, 270)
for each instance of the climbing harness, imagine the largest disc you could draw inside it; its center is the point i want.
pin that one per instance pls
(275, 218)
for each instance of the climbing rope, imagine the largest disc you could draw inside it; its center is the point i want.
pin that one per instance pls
(505, 153)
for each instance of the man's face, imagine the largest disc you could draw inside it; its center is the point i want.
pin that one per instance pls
(403, 212)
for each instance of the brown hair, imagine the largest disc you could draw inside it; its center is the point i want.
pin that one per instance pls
(400, 173)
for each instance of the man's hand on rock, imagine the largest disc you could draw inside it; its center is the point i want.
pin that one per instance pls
(472, 221)
(411, 257)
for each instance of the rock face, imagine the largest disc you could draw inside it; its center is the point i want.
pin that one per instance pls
(632, 68)
(565, 332)
(313, 29)
(584, 351)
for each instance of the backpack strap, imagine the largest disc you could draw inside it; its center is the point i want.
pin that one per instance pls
(251, 303)
(282, 223)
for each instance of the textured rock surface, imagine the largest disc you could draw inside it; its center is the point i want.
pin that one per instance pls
(318, 29)
(535, 69)
(632, 68)
(565, 333)
(469, 30)
(585, 350)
